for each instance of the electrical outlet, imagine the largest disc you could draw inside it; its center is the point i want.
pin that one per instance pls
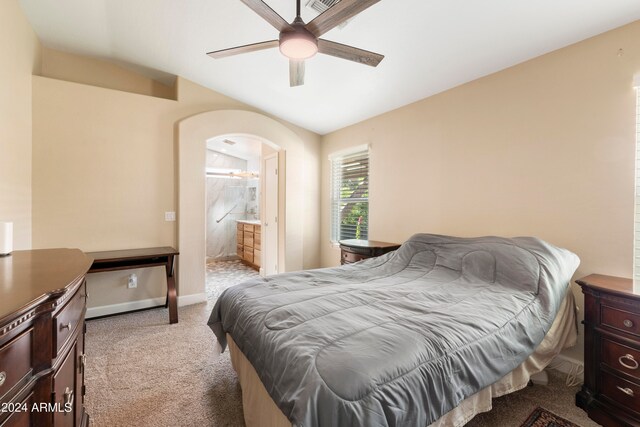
(169, 216)
(132, 281)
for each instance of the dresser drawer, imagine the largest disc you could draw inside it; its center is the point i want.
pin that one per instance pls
(239, 235)
(256, 257)
(621, 358)
(239, 226)
(64, 382)
(349, 257)
(21, 418)
(15, 361)
(620, 319)
(257, 240)
(67, 320)
(248, 239)
(248, 228)
(621, 391)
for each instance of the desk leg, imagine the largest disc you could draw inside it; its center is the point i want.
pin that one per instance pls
(171, 300)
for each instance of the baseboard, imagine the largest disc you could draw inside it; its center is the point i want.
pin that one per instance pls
(106, 310)
(191, 299)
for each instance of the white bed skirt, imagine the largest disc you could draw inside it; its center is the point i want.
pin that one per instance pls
(261, 411)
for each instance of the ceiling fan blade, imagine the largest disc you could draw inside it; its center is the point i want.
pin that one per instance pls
(268, 14)
(243, 49)
(337, 14)
(349, 52)
(296, 73)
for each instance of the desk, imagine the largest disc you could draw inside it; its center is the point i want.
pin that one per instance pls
(140, 258)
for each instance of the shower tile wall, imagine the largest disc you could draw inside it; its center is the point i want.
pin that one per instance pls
(222, 195)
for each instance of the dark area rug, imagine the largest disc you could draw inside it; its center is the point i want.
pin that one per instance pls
(540, 417)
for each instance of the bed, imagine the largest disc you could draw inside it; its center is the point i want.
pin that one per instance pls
(426, 335)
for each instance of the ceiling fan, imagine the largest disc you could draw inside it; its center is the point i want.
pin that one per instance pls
(299, 41)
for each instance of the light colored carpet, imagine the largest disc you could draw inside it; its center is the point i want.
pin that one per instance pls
(141, 371)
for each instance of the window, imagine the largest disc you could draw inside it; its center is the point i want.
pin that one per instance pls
(350, 194)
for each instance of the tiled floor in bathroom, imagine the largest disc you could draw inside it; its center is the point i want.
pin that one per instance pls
(222, 274)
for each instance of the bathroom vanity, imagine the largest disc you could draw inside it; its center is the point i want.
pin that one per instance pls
(249, 242)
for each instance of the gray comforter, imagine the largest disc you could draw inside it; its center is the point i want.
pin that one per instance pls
(401, 339)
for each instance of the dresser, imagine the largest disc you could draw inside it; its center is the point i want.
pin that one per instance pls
(42, 307)
(611, 390)
(249, 243)
(354, 250)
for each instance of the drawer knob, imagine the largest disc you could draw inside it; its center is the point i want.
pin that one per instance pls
(626, 390)
(628, 323)
(624, 361)
(65, 326)
(3, 378)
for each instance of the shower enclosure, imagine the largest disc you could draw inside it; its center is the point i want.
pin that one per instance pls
(232, 194)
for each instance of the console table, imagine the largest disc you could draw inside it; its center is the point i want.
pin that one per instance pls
(140, 258)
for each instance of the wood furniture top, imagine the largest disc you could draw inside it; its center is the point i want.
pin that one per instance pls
(28, 278)
(140, 258)
(118, 260)
(617, 285)
(367, 243)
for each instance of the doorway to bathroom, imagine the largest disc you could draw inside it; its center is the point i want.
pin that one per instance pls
(239, 237)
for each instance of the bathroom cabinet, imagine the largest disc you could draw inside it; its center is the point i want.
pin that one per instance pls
(249, 242)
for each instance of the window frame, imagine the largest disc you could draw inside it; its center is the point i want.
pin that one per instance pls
(334, 230)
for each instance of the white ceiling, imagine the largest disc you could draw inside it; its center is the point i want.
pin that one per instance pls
(430, 46)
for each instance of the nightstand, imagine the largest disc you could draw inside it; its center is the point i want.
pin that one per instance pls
(355, 250)
(611, 390)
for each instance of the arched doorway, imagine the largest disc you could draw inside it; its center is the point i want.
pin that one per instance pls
(192, 135)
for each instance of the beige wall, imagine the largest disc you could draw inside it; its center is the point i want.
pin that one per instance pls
(545, 148)
(105, 171)
(96, 72)
(19, 58)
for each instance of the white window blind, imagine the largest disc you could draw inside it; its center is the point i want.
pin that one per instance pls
(350, 195)
(636, 240)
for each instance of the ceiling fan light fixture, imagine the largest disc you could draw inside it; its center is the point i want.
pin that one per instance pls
(298, 44)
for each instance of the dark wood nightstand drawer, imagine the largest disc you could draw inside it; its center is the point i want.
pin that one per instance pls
(621, 358)
(349, 257)
(354, 250)
(620, 319)
(621, 391)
